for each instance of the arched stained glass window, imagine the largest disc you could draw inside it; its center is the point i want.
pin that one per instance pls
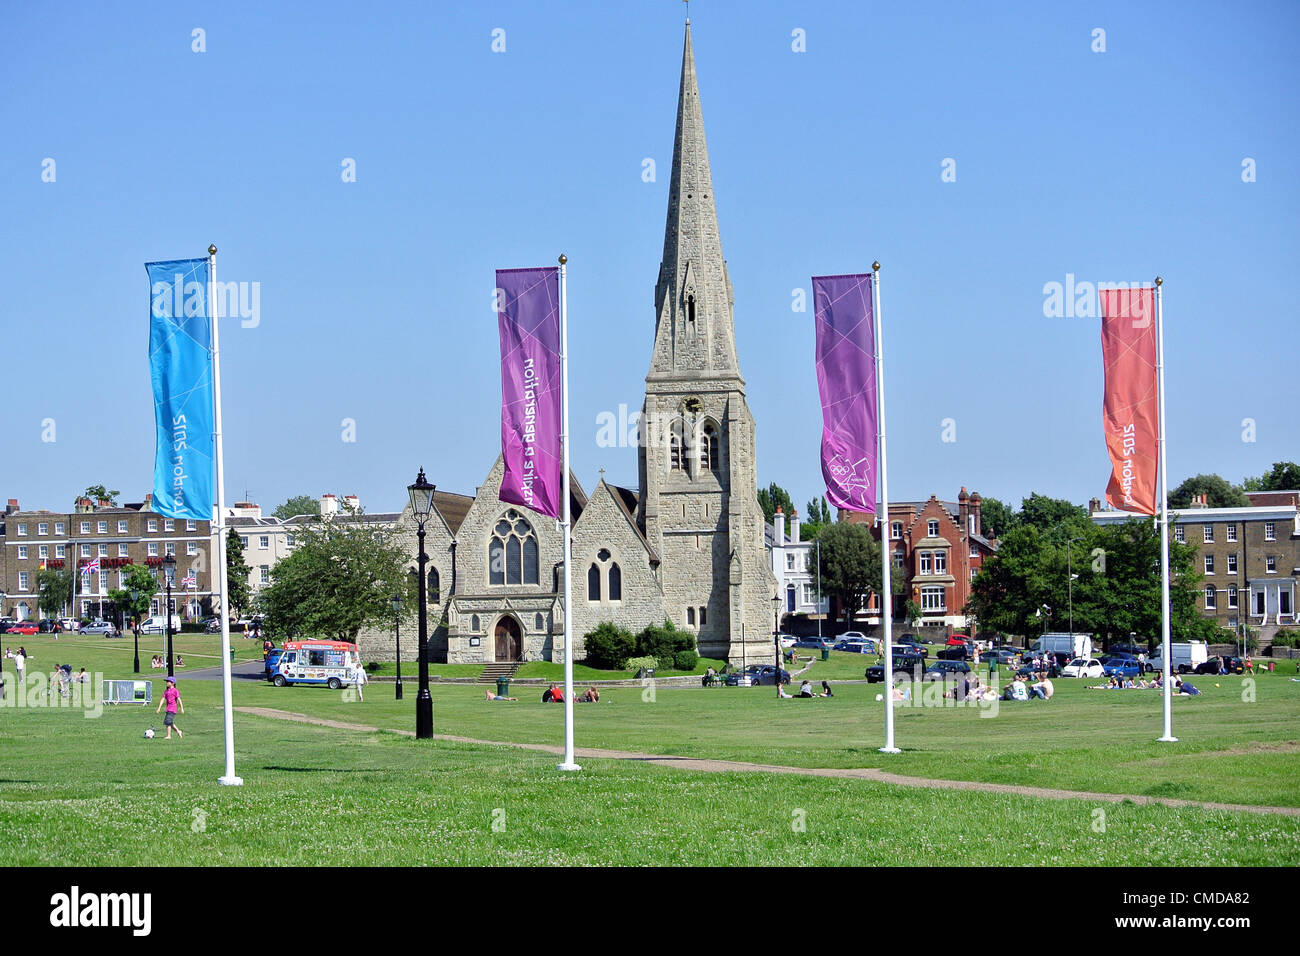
(513, 551)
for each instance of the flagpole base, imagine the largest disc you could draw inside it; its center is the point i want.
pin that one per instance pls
(890, 750)
(568, 766)
(231, 781)
(1167, 740)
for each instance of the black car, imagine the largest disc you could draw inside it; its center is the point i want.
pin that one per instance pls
(954, 653)
(942, 670)
(910, 645)
(905, 665)
(1232, 665)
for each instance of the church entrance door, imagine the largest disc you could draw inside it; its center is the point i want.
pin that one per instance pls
(510, 641)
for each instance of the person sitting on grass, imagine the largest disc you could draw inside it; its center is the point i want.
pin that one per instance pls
(805, 689)
(1043, 689)
(826, 690)
(553, 695)
(492, 696)
(180, 661)
(591, 696)
(1186, 688)
(1016, 690)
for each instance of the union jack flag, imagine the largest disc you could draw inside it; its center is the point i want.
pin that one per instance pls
(189, 581)
(91, 567)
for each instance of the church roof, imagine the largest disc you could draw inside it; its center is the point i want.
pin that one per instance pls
(627, 499)
(452, 507)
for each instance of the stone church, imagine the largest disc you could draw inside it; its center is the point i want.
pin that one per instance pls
(687, 545)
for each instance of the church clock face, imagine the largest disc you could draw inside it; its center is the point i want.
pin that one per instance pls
(692, 405)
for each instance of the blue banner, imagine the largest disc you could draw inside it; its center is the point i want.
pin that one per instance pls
(180, 359)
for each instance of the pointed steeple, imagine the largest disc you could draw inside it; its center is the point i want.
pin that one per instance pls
(693, 299)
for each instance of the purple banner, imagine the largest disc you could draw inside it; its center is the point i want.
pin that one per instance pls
(846, 380)
(528, 315)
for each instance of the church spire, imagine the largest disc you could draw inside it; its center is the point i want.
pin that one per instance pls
(693, 328)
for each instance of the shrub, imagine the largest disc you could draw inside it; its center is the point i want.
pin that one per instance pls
(609, 647)
(685, 660)
(635, 664)
(1285, 638)
(663, 643)
(191, 627)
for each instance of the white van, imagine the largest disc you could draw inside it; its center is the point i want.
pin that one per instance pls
(1072, 645)
(1183, 658)
(158, 624)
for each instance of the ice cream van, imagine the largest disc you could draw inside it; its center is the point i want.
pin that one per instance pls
(317, 662)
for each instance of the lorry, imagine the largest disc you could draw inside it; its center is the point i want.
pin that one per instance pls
(333, 663)
(1072, 645)
(1183, 658)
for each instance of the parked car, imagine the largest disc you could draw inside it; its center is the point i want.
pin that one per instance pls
(866, 646)
(786, 640)
(914, 646)
(106, 628)
(47, 626)
(852, 636)
(1003, 655)
(956, 652)
(1123, 665)
(1080, 667)
(1132, 650)
(905, 665)
(756, 675)
(68, 623)
(942, 670)
(1232, 665)
(23, 627)
(816, 643)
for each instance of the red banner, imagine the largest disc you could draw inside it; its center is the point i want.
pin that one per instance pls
(1129, 410)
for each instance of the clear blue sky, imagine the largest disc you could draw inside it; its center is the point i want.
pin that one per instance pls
(375, 295)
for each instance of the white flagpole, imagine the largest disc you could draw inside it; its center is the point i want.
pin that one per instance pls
(229, 779)
(886, 597)
(1167, 683)
(569, 763)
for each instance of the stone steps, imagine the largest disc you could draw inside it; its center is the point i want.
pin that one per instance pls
(500, 669)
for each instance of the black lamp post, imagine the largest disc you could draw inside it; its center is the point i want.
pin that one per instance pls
(397, 632)
(421, 505)
(135, 600)
(169, 576)
(776, 638)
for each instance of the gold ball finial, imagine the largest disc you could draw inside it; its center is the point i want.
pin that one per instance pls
(563, 258)
(212, 250)
(1159, 281)
(875, 266)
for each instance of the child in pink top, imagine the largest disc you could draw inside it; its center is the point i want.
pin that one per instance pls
(172, 699)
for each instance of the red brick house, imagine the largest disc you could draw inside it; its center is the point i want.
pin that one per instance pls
(936, 550)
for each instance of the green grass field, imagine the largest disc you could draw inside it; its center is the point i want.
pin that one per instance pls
(94, 791)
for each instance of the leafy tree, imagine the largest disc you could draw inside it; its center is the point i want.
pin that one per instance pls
(850, 564)
(237, 591)
(1116, 590)
(772, 496)
(609, 646)
(1222, 494)
(340, 578)
(914, 613)
(816, 517)
(996, 518)
(142, 580)
(1283, 476)
(98, 493)
(54, 587)
(1054, 516)
(297, 505)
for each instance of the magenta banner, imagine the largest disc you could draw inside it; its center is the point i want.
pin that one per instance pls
(528, 315)
(846, 379)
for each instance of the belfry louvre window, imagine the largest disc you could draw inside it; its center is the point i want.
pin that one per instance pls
(512, 551)
(709, 459)
(676, 447)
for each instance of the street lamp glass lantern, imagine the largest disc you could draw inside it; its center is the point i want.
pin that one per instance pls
(169, 569)
(397, 604)
(421, 497)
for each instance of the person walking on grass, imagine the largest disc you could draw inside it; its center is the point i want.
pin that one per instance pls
(172, 699)
(361, 681)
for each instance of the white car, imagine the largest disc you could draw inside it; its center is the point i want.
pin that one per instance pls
(787, 641)
(1079, 667)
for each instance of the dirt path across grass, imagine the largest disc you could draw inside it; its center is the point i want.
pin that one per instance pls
(733, 766)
